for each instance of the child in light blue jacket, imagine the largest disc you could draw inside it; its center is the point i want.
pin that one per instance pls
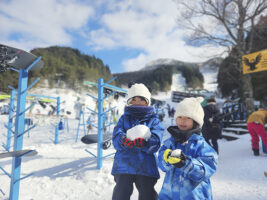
(186, 157)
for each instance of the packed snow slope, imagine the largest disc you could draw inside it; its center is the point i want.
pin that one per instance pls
(66, 171)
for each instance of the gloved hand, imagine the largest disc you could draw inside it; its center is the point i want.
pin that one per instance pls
(126, 142)
(166, 155)
(175, 157)
(140, 142)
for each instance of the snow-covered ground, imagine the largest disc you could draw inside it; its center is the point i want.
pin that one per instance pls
(178, 82)
(66, 171)
(210, 78)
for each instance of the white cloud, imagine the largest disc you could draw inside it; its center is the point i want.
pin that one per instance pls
(145, 25)
(42, 22)
(136, 63)
(102, 38)
(150, 27)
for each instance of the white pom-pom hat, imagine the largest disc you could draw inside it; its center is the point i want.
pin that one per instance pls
(191, 107)
(139, 89)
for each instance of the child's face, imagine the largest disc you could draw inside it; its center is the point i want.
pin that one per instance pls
(137, 101)
(184, 123)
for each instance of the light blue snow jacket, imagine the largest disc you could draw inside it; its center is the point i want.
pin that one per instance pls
(141, 161)
(191, 181)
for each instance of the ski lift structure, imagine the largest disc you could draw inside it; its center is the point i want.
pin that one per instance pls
(178, 96)
(12, 59)
(110, 90)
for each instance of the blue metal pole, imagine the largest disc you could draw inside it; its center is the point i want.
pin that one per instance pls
(84, 126)
(58, 110)
(18, 137)
(100, 126)
(244, 112)
(78, 129)
(110, 121)
(10, 120)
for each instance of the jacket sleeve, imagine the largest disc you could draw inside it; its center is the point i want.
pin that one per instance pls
(118, 132)
(203, 166)
(156, 136)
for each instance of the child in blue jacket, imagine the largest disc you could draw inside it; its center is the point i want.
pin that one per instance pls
(136, 138)
(186, 157)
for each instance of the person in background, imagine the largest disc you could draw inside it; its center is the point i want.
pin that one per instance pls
(136, 138)
(255, 124)
(186, 157)
(77, 108)
(212, 129)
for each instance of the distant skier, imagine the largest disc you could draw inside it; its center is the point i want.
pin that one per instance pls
(136, 138)
(255, 124)
(169, 110)
(186, 157)
(172, 112)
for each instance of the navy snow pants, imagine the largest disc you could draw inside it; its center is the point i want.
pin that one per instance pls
(124, 187)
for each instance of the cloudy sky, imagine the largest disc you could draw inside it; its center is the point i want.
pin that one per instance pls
(125, 34)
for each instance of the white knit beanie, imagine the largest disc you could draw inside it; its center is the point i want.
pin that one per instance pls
(139, 89)
(191, 107)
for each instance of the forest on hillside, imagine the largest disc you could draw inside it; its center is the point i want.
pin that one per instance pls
(160, 78)
(62, 66)
(70, 66)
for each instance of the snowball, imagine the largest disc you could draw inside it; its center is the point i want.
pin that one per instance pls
(176, 153)
(139, 131)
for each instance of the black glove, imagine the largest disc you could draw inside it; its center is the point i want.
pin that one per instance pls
(182, 162)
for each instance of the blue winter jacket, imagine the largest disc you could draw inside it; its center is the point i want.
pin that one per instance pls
(141, 161)
(191, 181)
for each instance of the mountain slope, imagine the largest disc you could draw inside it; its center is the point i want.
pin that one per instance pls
(158, 74)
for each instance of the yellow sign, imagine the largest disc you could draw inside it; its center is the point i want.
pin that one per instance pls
(4, 96)
(254, 62)
(28, 98)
